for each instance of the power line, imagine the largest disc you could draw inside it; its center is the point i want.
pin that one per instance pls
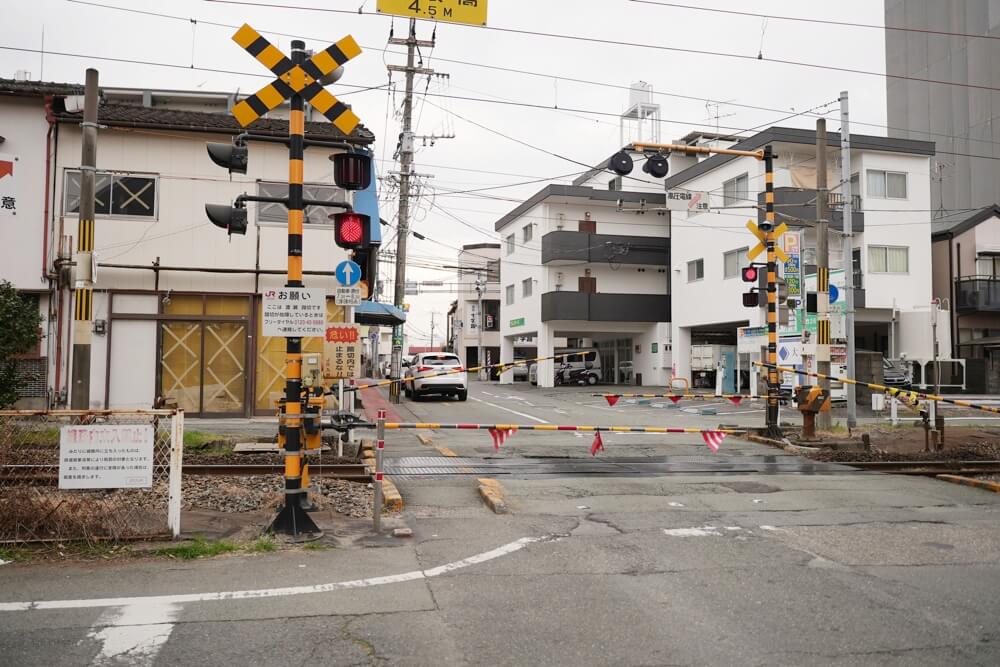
(648, 46)
(809, 20)
(535, 73)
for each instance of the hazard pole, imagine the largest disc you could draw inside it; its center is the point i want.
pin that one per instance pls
(293, 519)
(379, 448)
(773, 384)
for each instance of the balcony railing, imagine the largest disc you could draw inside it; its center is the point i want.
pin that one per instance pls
(977, 294)
(572, 246)
(605, 307)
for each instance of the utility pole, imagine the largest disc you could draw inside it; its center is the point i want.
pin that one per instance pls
(480, 288)
(823, 419)
(83, 302)
(845, 177)
(405, 173)
(432, 328)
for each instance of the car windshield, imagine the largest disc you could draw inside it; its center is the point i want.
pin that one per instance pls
(441, 360)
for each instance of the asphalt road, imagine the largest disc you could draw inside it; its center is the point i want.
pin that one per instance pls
(680, 569)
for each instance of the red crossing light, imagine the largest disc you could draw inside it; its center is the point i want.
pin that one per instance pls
(750, 274)
(351, 230)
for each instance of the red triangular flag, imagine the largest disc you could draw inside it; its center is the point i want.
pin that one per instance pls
(597, 445)
(674, 398)
(713, 439)
(736, 400)
(499, 436)
(611, 399)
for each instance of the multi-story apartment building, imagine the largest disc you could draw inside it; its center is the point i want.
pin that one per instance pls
(474, 321)
(955, 43)
(586, 265)
(176, 303)
(891, 244)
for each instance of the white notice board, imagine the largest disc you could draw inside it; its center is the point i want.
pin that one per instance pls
(294, 311)
(106, 456)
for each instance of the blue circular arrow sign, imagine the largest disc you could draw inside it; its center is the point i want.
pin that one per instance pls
(834, 293)
(348, 273)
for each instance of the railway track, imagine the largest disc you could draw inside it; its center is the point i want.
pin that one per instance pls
(353, 472)
(428, 467)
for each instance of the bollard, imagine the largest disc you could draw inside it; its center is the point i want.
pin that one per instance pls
(894, 411)
(340, 406)
(379, 447)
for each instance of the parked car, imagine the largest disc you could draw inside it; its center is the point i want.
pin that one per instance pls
(894, 375)
(521, 372)
(583, 366)
(419, 379)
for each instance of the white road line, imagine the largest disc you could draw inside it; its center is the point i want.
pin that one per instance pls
(488, 393)
(133, 633)
(519, 414)
(504, 550)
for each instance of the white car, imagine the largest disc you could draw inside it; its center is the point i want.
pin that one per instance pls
(420, 377)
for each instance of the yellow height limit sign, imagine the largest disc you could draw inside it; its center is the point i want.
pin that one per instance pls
(472, 12)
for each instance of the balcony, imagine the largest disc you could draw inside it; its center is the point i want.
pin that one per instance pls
(566, 247)
(801, 205)
(605, 307)
(977, 294)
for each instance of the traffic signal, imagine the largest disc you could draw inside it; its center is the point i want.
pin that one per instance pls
(233, 157)
(749, 273)
(352, 171)
(351, 230)
(231, 218)
(751, 299)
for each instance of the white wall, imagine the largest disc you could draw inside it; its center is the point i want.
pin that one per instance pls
(524, 262)
(22, 236)
(182, 234)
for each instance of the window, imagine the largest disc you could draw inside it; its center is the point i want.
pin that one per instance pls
(526, 287)
(735, 191)
(493, 271)
(510, 244)
(116, 195)
(888, 259)
(733, 261)
(527, 231)
(615, 183)
(510, 294)
(696, 270)
(988, 266)
(314, 215)
(886, 184)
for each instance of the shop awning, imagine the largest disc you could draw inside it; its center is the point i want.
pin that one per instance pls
(373, 312)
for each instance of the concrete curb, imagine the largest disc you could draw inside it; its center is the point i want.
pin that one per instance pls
(391, 497)
(970, 481)
(492, 494)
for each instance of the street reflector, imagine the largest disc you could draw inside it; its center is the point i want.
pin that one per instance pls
(230, 218)
(352, 171)
(229, 156)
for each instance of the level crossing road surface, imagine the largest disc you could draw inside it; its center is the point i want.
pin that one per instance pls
(678, 568)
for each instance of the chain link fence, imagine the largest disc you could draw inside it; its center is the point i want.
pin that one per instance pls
(34, 507)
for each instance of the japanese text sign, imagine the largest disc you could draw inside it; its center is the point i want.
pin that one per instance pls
(106, 456)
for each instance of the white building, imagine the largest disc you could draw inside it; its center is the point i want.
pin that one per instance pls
(176, 302)
(892, 240)
(474, 324)
(586, 265)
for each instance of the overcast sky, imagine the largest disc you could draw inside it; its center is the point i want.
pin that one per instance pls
(477, 157)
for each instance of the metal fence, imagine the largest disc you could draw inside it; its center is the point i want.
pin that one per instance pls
(33, 507)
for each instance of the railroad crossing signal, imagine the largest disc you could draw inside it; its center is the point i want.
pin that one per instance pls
(303, 79)
(761, 235)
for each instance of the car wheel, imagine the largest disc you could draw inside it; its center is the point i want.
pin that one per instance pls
(406, 390)
(463, 395)
(591, 379)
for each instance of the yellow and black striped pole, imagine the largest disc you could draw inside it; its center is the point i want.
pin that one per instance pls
(773, 384)
(293, 519)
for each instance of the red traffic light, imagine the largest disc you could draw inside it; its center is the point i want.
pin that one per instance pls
(751, 299)
(352, 171)
(351, 230)
(750, 274)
